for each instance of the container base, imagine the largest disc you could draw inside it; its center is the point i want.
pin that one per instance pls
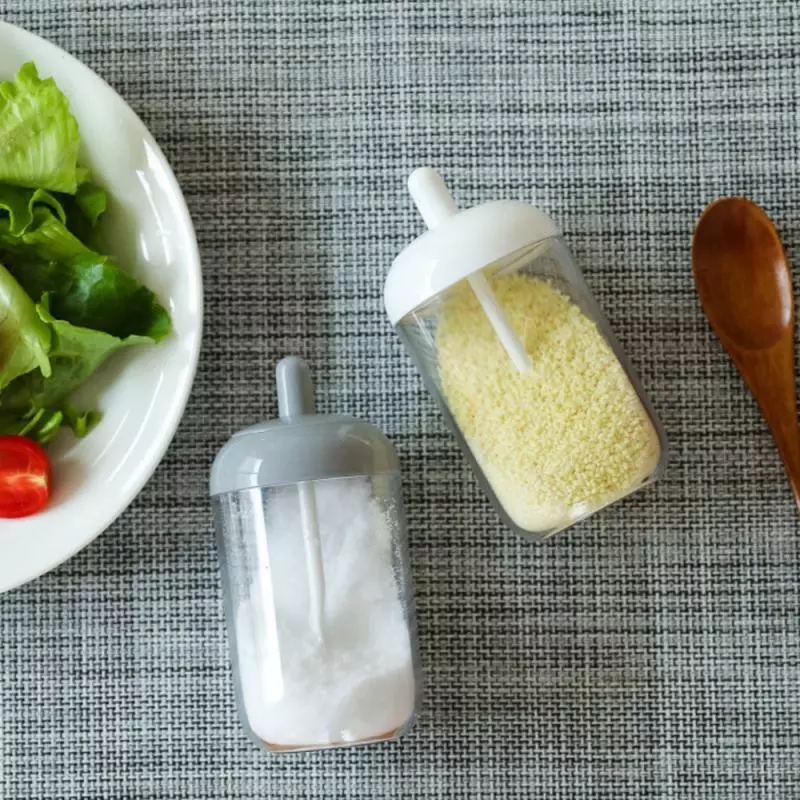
(296, 748)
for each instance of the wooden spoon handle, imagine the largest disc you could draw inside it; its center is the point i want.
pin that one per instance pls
(788, 442)
(769, 374)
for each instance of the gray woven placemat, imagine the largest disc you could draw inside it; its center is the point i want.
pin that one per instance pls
(652, 653)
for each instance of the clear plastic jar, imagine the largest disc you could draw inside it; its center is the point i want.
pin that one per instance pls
(523, 364)
(311, 536)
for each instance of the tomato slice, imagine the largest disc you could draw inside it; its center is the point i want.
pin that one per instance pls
(24, 477)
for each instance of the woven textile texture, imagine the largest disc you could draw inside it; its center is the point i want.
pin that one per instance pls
(654, 651)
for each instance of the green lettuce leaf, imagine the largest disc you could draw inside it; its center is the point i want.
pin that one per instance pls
(44, 424)
(91, 200)
(85, 289)
(91, 291)
(47, 238)
(88, 307)
(83, 210)
(75, 353)
(17, 207)
(39, 138)
(25, 337)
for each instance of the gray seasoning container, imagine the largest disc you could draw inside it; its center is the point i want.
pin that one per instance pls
(312, 544)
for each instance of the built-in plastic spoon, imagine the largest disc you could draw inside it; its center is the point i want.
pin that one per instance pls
(296, 399)
(435, 204)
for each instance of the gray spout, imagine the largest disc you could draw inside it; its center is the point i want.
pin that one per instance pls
(295, 388)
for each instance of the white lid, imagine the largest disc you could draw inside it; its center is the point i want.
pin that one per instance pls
(458, 244)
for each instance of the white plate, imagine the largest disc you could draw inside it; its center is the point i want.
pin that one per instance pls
(142, 393)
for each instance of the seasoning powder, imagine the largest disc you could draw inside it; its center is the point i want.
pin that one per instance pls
(566, 438)
(357, 684)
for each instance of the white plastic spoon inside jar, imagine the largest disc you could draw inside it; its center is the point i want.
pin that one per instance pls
(436, 204)
(296, 399)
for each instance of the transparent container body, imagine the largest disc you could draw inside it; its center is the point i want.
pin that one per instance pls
(357, 684)
(555, 445)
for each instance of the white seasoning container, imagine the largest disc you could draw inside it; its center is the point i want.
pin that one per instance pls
(312, 544)
(521, 361)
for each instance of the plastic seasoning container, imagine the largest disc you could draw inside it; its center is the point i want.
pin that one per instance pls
(312, 544)
(521, 361)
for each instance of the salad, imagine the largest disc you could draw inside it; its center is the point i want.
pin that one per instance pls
(65, 307)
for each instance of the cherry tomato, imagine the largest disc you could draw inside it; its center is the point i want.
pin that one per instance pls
(24, 477)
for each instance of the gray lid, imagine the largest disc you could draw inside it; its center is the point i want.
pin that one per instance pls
(301, 445)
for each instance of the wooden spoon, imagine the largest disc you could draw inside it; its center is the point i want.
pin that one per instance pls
(745, 287)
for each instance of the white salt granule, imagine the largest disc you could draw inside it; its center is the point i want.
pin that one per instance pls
(359, 684)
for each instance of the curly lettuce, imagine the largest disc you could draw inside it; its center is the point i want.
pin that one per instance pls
(39, 137)
(64, 307)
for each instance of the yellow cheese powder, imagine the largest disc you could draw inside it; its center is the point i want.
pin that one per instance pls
(567, 438)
